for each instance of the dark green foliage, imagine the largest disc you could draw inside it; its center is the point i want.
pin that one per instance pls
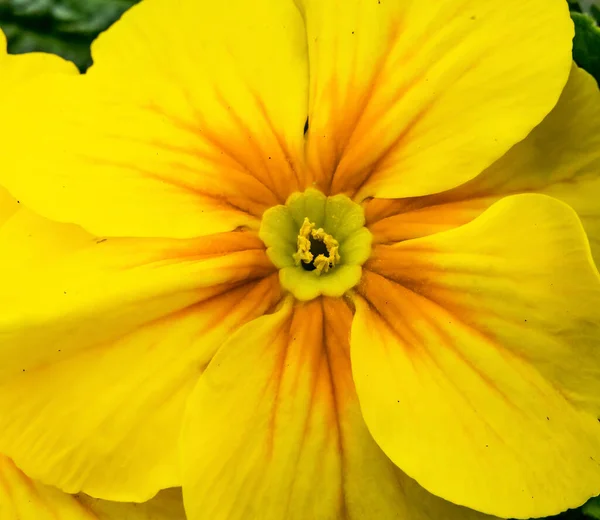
(592, 509)
(64, 27)
(586, 44)
(572, 514)
(574, 6)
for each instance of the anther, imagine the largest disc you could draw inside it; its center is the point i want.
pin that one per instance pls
(317, 250)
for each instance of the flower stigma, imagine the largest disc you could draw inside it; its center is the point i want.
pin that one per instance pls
(319, 243)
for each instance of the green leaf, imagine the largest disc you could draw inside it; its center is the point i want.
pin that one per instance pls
(592, 508)
(586, 44)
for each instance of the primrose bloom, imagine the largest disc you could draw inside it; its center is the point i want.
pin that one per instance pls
(308, 259)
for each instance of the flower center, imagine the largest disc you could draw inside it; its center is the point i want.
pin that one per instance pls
(317, 250)
(318, 243)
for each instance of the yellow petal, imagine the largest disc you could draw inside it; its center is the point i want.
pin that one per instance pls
(106, 420)
(8, 205)
(31, 244)
(274, 430)
(24, 499)
(196, 129)
(17, 69)
(102, 339)
(261, 424)
(412, 98)
(561, 157)
(475, 359)
(394, 220)
(107, 286)
(166, 505)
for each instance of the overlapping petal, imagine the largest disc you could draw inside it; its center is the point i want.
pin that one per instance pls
(17, 71)
(102, 340)
(412, 98)
(166, 505)
(274, 430)
(24, 499)
(8, 205)
(86, 290)
(475, 357)
(561, 157)
(196, 128)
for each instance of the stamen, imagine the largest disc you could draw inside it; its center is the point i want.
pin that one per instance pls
(317, 250)
(303, 253)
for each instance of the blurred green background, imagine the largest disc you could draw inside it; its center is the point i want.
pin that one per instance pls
(67, 28)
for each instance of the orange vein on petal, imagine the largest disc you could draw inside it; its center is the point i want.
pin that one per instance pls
(388, 110)
(293, 415)
(119, 310)
(487, 329)
(404, 222)
(559, 158)
(282, 408)
(131, 393)
(152, 128)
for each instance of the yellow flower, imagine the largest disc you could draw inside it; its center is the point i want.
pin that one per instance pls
(289, 256)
